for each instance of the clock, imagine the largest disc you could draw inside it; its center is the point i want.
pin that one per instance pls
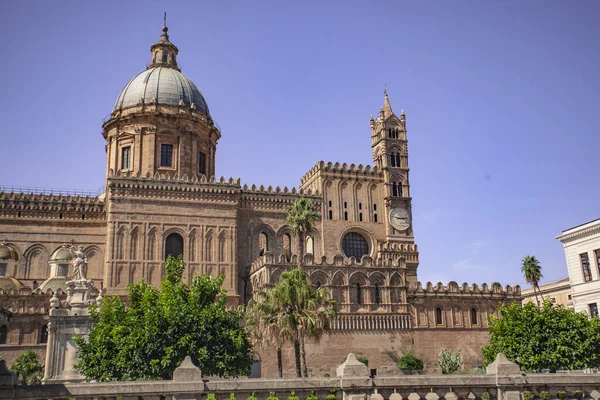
(400, 218)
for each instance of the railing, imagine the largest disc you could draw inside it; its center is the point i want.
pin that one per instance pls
(54, 191)
(503, 381)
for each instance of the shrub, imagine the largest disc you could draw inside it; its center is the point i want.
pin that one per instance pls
(578, 394)
(28, 368)
(449, 362)
(544, 395)
(232, 396)
(527, 395)
(251, 397)
(410, 362)
(485, 396)
(293, 396)
(312, 396)
(272, 396)
(363, 360)
(211, 396)
(561, 394)
(331, 395)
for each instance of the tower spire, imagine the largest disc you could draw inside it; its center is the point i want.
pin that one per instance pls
(387, 107)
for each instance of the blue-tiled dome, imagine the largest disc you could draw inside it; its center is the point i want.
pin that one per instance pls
(163, 85)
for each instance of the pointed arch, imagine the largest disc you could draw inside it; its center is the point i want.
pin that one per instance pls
(222, 248)
(134, 244)
(152, 251)
(319, 278)
(274, 278)
(120, 243)
(95, 257)
(36, 262)
(208, 245)
(192, 245)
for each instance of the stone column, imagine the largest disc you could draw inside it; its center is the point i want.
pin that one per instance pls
(354, 379)
(508, 378)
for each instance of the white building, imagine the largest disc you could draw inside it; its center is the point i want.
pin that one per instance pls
(582, 252)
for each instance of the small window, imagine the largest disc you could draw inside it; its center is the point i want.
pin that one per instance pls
(125, 157)
(263, 243)
(593, 310)
(394, 190)
(166, 155)
(374, 207)
(310, 245)
(164, 56)
(329, 203)
(63, 269)
(3, 334)
(585, 266)
(400, 194)
(438, 316)
(202, 163)
(570, 297)
(474, 316)
(392, 160)
(330, 214)
(345, 215)
(377, 294)
(374, 217)
(360, 206)
(319, 284)
(358, 294)
(44, 334)
(3, 269)
(360, 217)
(552, 300)
(345, 204)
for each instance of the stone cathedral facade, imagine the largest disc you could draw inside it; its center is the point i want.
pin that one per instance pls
(162, 197)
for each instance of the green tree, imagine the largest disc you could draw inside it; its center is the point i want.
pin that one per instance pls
(532, 270)
(551, 337)
(151, 337)
(301, 218)
(265, 326)
(28, 368)
(449, 362)
(410, 362)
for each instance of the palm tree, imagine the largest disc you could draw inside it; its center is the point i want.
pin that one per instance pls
(532, 270)
(301, 218)
(264, 324)
(305, 312)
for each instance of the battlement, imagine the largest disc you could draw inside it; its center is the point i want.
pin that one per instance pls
(495, 289)
(275, 199)
(34, 205)
(175, 178)
(277, 190)
(338, 260)
(366, 171)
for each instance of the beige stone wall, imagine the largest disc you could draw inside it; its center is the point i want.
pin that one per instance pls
(382, 350)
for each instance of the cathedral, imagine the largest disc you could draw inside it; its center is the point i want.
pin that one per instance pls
(162, 196)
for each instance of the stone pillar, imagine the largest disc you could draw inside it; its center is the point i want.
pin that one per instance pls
(354, 379)
(67, 318)
(509, 378)
(188, 372)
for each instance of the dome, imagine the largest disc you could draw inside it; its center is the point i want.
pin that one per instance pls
(8, 253)
(163, 85)
(62, 254)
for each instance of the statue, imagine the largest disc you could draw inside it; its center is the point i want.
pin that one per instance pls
(79, 264)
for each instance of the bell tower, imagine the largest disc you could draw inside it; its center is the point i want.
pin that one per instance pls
(390, 154)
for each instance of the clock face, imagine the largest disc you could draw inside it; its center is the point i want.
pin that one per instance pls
(400, 218)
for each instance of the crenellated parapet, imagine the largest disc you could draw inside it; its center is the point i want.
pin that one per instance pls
(173, 187)
(52, 206)
(343, 170)
(269, 198)
(453, 289)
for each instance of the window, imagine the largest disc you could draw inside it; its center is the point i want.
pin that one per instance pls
(202, 163)
(400, 189)
(3, 334)
(63, 269)
(345, 204)
(330, 214)
(552, 300)
(585, 266)
(310, 245)
(3, 269)
(166, 155)
(44, 334)
(360, 206)
(360, 217)
(164, 56)
(287, 249)
(392, 160)
(345, 215)
(394, 190)
(377, 294)
(173, 245)
(570, 297)
(358, 294)
(354, 245)
(593, 310)
(374, 217)
(125, 157)
(438, 316)
(473, 316)
(263, 243)
(329, 203)
(374, 207)
(597, 253)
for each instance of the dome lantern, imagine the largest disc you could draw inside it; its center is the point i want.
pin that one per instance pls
(164, 53)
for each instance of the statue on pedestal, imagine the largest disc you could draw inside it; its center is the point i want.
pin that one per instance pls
(79, 264)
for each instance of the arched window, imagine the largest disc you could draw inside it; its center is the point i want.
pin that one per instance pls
(474, 316)
(358, 293)
(354, 245)
(392, 160)
(63, 270)
(3, 334)
(319, 284)
(173, 245)
(222, 249)
(44, 334)
(310, 245)
(377, 294)
(438, 316)
(394, 189)
(287, 246)
(263, 243)
(400, 189)
(398, 160)
(330, 214)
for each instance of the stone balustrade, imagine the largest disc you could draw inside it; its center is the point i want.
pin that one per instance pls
(503, 381)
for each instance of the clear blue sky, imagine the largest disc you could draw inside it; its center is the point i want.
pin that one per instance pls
(501, 100)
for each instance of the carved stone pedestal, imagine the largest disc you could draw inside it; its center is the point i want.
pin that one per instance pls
(68, 318)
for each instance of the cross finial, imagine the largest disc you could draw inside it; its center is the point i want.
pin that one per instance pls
(165, 19)
(385, 89)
